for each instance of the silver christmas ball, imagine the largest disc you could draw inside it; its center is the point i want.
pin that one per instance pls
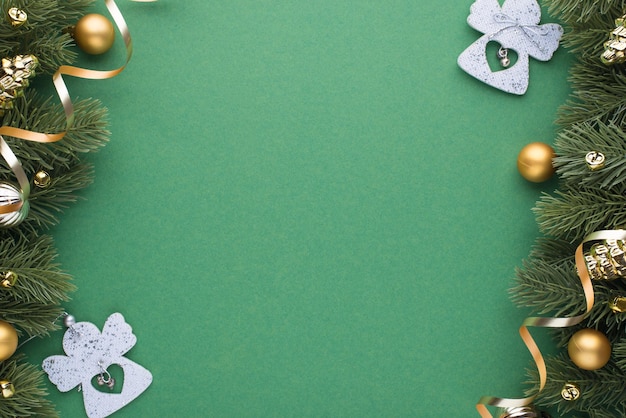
(9, 195)
(520, 412)
(69, 321)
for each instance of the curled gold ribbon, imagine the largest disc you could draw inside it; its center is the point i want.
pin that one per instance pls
(68, 107)
(585, 280)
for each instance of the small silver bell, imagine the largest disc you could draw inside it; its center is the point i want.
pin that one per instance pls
(503, 56)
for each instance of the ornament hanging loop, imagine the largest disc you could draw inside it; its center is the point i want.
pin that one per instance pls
(105, 378)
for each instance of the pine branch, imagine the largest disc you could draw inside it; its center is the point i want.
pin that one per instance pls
(583, 11)
(572, 215)
(549, 288)
(599, 94)
(30, 396)
(574, 143)
(39, 277)
(603, 390)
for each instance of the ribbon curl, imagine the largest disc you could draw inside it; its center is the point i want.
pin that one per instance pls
(68, 107)
(585, 280)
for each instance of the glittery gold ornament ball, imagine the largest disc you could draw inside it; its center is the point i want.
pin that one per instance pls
(589, 349)
(8, 340)
(7, 389)
(534, 162)
(94, 34)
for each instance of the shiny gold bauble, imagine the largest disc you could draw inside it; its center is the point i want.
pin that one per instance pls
(534, 162)
(42, 179)
(589, 349)
(8, 340)
(94, 34)
(7, 389)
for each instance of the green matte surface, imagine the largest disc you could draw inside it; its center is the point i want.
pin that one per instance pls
(308, 210)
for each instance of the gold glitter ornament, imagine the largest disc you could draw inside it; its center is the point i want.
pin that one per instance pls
(8, 340)
(570, 392)
(615, 47)
(10, 195)
(589, 349)
(94, 34)
(7, 389)
(8, 279)
(42, 179)
(17, 17)
(14, 78)
(618, 304)
(534, 162)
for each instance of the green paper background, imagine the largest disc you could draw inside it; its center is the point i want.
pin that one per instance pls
(308, 210)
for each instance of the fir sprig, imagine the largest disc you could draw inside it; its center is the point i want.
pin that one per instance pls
(576, 141)
(30, 395)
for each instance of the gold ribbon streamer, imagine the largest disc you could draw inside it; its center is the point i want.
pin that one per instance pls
(585, 280)
(68, 107)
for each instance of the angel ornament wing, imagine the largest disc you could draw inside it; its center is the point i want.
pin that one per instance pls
(89, 354)
(515, 26)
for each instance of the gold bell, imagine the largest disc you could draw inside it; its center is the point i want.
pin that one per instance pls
(17, 17)
(8, 279)
(618, 304)
(7, 389)
(42, 179)
(570, 392)
(595, 160)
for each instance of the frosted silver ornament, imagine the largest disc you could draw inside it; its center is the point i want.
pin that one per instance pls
(89, 352)
(515, 26)
(12, 195)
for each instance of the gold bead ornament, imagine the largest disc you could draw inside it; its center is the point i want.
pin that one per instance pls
(534, 162)
(42, 179)
(589, 349)
(94, 34)
(17, 17)
(8, 340)
(7, 389)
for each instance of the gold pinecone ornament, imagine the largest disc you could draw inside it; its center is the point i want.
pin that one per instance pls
(14, 78)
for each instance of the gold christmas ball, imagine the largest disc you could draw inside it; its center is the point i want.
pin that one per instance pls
(8, 340)
(534, 162)
(589, 349)
(94, 34)
(7, 388)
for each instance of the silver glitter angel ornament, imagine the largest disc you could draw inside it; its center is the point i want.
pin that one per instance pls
(89, 354)
(515, 26)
